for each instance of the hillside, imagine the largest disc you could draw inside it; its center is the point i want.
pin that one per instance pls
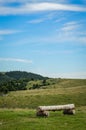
(4, 77)
(16, 80)
(18, 108)
(19, 75)
(51, 83)
(62, 92)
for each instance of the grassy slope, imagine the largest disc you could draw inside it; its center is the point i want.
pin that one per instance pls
(34, 98)
(61, 92)
(59, 83)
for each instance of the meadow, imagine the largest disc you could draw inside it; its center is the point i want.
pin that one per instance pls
(25, 119)
(18, 108)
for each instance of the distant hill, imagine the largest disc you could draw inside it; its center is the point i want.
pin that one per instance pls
(17, 80)
(21, 80)
(17, 75)
(4, 77)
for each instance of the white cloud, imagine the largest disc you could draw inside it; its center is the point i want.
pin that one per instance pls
(36, 21)
(70, 26)
(53, 6)
(16, 60)
(38, 7)
(7, 32)
(75, 36)
(55, 52)
(59, 20)
(72, 32)
(49, 16)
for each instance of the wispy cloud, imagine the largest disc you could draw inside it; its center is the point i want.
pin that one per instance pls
(72, 31)
(70, 26)
(7, 32)
(16, 60)
(36, 21)
(38, 7)
(49, 16)
(69, 32)
(59, 19)
(55, 52)
(54, 6)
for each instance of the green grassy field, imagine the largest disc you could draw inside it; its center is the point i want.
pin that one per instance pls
(33, 98)
(25, 119)
(18, 109)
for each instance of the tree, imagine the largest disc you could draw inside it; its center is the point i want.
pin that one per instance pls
(44, 82)
(4, 90)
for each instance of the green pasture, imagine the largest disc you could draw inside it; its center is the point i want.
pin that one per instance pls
(32, 98)
(18, 108)
(25, 119)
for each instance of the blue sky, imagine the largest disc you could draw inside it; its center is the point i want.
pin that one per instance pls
(46, 37)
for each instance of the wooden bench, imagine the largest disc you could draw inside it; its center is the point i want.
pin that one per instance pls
(67, 109)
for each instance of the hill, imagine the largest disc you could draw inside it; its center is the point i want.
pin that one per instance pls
(21, 80)
(16, 80)
(19, 75)
(51, 83)
(63, 92)
(18, 108)
(4, 77)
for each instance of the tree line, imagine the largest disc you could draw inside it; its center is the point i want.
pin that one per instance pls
(13, 85)
(17, 80)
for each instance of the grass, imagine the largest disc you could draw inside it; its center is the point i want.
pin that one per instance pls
(18, 109)
(33, 98)
(58, 83)
(25, 119)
